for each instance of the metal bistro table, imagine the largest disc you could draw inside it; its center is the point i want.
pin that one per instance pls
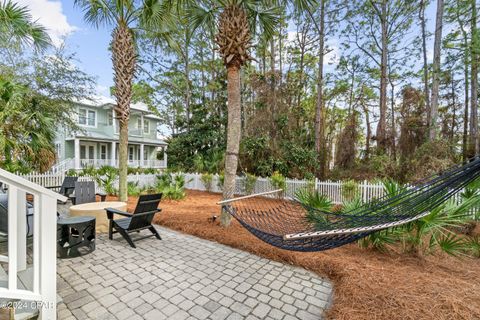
(75, 236)
(97, 210)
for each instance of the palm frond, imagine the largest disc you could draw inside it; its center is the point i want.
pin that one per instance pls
(16, 22)
(199, 16)
(99, 12)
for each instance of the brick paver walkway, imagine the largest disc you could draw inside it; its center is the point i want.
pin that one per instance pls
(184, 277)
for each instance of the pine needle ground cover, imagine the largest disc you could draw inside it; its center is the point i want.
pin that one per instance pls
(367, 284)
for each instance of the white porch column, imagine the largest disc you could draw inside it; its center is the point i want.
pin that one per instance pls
(142, 163)
(165, 156)
(77, 154)
(114, 150)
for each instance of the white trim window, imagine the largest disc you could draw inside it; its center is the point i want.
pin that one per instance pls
(58, 150)
(87, 117)
(131, 154)
(146, 126)
(103, 151)
(110, 118)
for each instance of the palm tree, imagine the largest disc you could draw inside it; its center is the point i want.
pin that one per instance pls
(128, 17)
(16, 23)
(234, 23)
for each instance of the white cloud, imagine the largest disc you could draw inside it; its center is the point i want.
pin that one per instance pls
(49, 13)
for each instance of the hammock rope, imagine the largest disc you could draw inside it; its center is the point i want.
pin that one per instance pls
(282, 222)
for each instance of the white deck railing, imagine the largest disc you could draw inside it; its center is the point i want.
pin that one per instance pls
(96, 163)
(42, 290)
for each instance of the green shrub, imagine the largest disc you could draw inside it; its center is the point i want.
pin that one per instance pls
(207, 179)
(278, 181)
(133, 189)
(221, 181)
(250, 182)
(107, 181)
(350, 190)
(88, 171)
(72, 173)
(171, 187)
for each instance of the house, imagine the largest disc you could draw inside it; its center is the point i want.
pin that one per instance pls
(97, 142)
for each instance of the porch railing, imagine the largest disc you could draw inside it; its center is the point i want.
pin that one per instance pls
(132, 163)
(42, 290)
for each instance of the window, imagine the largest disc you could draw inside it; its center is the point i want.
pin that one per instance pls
(87, 117)
(110, 118)
(146, 126)
(130, 154)
(58, 150)
(103, 151)
(139, 123)
(145, 153)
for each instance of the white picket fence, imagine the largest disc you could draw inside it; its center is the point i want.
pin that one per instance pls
(332, 189)
(193, 181)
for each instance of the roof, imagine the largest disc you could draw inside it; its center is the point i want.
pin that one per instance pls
(107, 102)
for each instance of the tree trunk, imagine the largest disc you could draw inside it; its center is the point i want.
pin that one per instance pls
(369, 128)
(124, 63)
(233, 137)
(466, 89)
(426, 90)
(319, 125)
(381, 127)
(454, 103)
(474, 82)
(466, 110)
(432, 126)
(187, 79)
(392, 108)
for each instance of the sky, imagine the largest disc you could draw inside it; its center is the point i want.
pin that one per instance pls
(65, 23)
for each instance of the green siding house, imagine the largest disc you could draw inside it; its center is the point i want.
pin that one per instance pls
(96, 144)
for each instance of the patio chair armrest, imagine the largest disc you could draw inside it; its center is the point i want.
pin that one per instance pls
(112, 211)
(146, 213)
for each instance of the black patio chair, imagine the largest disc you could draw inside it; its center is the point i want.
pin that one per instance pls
(85, 192)
(141, 219)
(68, 184)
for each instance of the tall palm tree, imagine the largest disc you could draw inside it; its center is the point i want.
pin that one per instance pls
(234, 23)
(17, 23)
(128, 18)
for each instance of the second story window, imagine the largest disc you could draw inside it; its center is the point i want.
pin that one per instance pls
(110, 118)
(146, 126)
(86, 117)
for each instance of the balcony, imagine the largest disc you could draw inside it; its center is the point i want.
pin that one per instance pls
(96, 163)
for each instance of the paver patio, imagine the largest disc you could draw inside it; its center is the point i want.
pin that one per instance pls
(185, 277)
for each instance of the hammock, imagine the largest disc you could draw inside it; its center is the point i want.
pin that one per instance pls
(282, 222)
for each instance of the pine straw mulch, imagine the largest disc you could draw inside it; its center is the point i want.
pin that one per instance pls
(367, 284)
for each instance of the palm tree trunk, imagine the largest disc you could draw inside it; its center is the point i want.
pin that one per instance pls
(432, 127)
(124, 62)
(233, 137)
